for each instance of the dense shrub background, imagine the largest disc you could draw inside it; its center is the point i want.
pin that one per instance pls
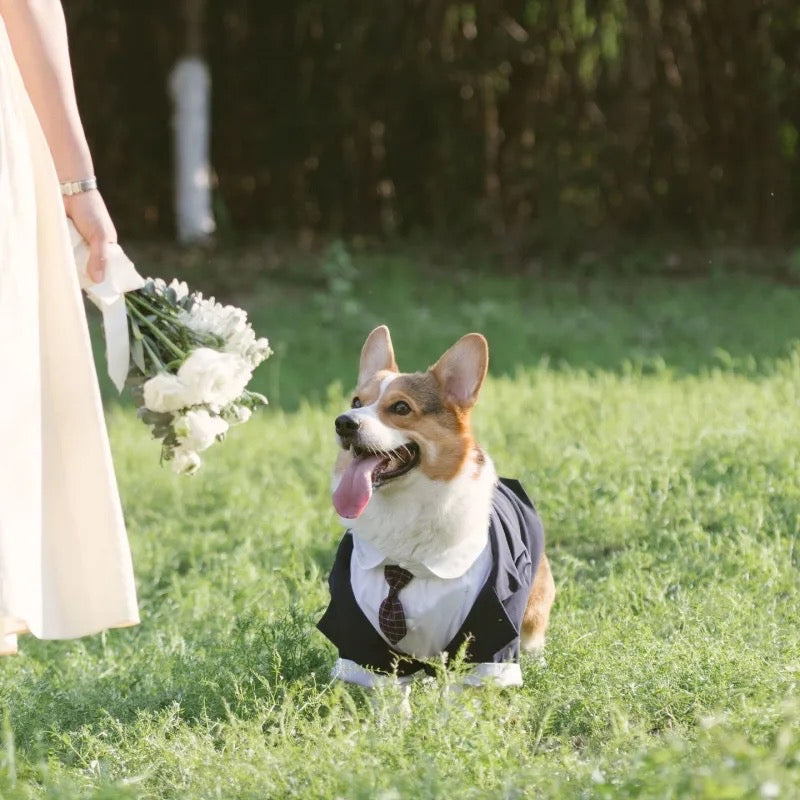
(542, 121)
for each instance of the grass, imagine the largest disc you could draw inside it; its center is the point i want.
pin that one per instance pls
(657, 426)
(616, 325)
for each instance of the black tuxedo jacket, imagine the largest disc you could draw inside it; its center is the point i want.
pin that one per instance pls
(492, 626)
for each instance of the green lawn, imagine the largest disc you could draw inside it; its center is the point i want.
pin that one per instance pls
(657, 426)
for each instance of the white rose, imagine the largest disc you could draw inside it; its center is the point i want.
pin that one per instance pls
(198, 430)
(185, 462)
(214, 378)
(166, 393)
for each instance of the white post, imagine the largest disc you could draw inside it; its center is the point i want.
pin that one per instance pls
(190, 87)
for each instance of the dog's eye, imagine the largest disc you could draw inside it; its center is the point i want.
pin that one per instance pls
(400, 407)
(355, 403)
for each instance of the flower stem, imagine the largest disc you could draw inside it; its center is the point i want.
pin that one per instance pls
(156, 332)
(142, 301)
(154, 356)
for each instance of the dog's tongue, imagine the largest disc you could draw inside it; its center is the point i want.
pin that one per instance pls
(355, 487)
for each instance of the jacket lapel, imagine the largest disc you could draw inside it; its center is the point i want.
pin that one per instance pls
(488, 625)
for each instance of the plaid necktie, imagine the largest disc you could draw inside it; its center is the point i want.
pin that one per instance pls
(391, 618)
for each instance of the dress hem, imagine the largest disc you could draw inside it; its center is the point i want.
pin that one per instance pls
(8, 643)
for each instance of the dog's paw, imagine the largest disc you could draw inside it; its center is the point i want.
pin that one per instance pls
(532, 643)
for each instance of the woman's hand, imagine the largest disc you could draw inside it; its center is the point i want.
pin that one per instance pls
(90, 216)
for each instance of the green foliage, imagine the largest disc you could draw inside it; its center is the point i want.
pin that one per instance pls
(337, 299)
(656, 425)
(545, 122)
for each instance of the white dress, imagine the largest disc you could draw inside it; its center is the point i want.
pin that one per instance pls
(65, 566)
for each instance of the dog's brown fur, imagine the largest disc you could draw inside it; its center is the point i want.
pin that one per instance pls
(537, 611)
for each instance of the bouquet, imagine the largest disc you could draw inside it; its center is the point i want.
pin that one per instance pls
(187, 359)
(191, 360)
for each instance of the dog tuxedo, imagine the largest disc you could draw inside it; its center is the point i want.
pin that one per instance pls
(381, 615)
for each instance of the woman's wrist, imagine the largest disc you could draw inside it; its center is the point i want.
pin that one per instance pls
(71, 157)
(73, 169)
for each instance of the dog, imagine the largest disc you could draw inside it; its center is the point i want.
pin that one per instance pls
(441, 557)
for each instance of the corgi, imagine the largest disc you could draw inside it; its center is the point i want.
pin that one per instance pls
(440, 556)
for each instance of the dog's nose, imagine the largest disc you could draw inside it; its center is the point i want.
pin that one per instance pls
(346, 425)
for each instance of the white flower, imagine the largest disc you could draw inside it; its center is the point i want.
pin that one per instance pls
(243, 413)
(207, 377)
(214, 378)
(180, 288)
(260, 351)
(193, 407)
(236, 414)
(231, 326)
(166, 393)
(185, 462)
(197, 429)
(208, 316)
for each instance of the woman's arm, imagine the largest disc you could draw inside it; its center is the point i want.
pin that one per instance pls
(38, 35)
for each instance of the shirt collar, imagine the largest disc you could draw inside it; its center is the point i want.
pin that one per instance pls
(451, 563)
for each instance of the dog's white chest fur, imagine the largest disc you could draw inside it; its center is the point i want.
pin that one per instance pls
(429, 527)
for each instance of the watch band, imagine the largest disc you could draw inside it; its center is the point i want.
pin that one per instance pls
(76, 187)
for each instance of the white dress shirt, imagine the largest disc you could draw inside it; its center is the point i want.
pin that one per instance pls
(435, 609)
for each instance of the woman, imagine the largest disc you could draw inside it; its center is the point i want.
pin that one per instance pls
(65, 568)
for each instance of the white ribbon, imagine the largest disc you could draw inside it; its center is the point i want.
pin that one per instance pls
(109, 296)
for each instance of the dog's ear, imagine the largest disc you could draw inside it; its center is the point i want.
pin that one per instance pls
(376, 354)
(462, 369)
